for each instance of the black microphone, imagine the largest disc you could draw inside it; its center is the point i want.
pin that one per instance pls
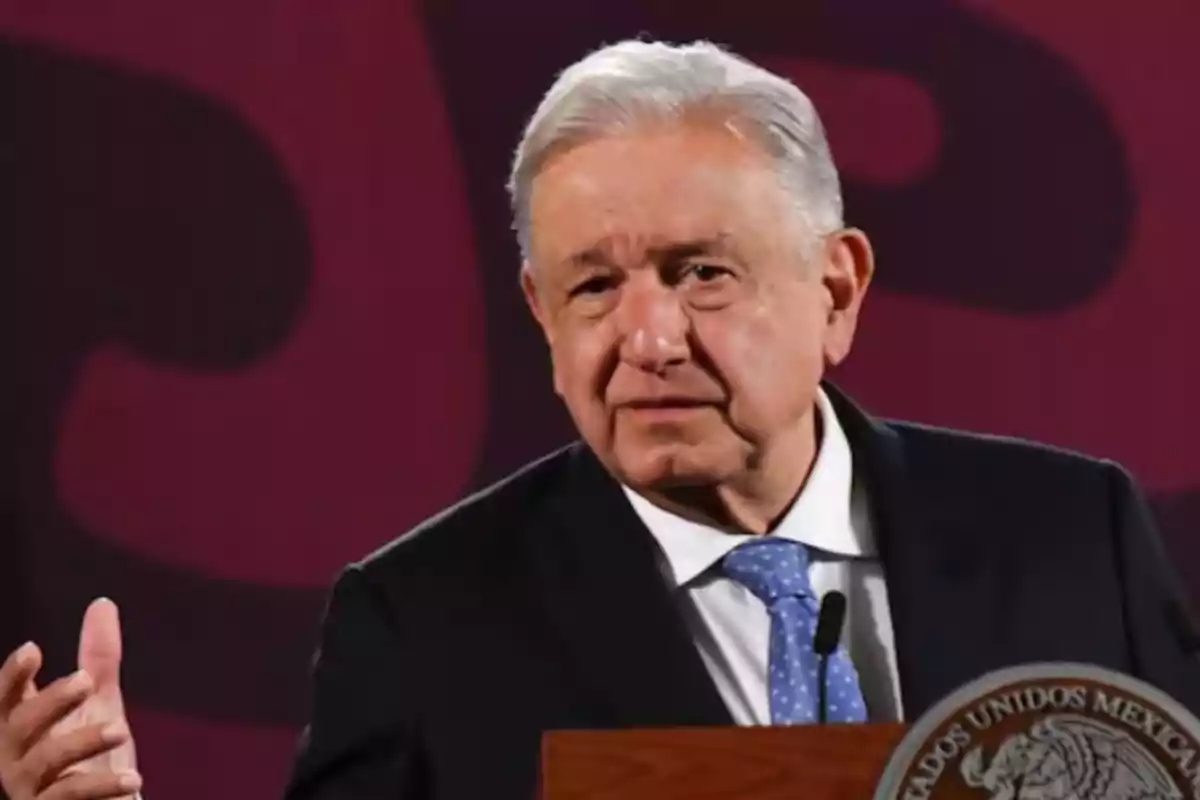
(825, 641)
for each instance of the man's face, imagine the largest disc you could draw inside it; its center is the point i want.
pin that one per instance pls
(688, 324)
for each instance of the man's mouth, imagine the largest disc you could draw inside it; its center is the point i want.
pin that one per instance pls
(667, 402)
(665, 408)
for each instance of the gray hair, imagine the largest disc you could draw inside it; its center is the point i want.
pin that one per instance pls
(635, 82)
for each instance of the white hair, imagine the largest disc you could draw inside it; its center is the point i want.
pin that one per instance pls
(635, 82)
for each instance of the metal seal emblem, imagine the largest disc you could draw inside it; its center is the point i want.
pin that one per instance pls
(1049, 732)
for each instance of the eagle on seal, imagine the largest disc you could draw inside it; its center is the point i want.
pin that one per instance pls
(1070, 757)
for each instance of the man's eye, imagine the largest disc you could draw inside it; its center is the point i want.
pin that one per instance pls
(706, 273)
(595, 285)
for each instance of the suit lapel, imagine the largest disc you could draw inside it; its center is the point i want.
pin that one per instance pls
(935, 567)
(613, 609)
(615, 615)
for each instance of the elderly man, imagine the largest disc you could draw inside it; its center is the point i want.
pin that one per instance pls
(684, 253)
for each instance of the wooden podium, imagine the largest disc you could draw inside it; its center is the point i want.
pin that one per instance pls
(765, 763)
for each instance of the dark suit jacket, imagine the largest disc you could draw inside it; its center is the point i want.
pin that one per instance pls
(538, 604)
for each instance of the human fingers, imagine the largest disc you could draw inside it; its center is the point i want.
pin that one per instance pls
(30, 720)
(54, 755)
(16, 677)
(99, 785)
(100, 647)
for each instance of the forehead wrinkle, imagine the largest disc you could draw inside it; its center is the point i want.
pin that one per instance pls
(608, 247)
(616, 248)
(618, 217)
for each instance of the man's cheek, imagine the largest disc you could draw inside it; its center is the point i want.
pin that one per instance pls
(735, 350)
(589, 365)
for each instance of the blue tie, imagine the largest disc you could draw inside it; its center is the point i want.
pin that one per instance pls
(776, 572)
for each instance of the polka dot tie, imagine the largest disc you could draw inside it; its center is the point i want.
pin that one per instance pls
(776, 571)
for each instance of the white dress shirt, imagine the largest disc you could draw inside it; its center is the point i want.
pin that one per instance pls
(731, 627)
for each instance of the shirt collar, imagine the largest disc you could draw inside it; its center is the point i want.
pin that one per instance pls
(820, 517)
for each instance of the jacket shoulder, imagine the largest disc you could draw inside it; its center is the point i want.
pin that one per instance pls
(958, 449)
(1010, 481)
(483, 522)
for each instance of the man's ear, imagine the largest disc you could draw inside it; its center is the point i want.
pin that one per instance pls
(540, 313)
(532, 300)
(847, 272)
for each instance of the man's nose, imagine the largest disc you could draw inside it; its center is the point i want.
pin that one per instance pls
(654, 327)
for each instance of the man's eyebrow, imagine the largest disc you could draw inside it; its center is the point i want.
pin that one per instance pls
(598, 254)
(721, 244)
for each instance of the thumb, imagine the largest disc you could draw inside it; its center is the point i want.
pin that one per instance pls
(100, 646)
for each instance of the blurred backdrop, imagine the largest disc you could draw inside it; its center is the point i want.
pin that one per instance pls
(263, 313)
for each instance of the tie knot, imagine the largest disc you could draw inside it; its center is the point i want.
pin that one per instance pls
(770, 568)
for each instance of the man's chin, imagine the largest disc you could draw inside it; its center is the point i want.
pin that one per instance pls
(671, 468)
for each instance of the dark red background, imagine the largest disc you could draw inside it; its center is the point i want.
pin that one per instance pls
(264, 315)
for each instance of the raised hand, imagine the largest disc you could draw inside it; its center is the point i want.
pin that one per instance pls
(68, 740)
